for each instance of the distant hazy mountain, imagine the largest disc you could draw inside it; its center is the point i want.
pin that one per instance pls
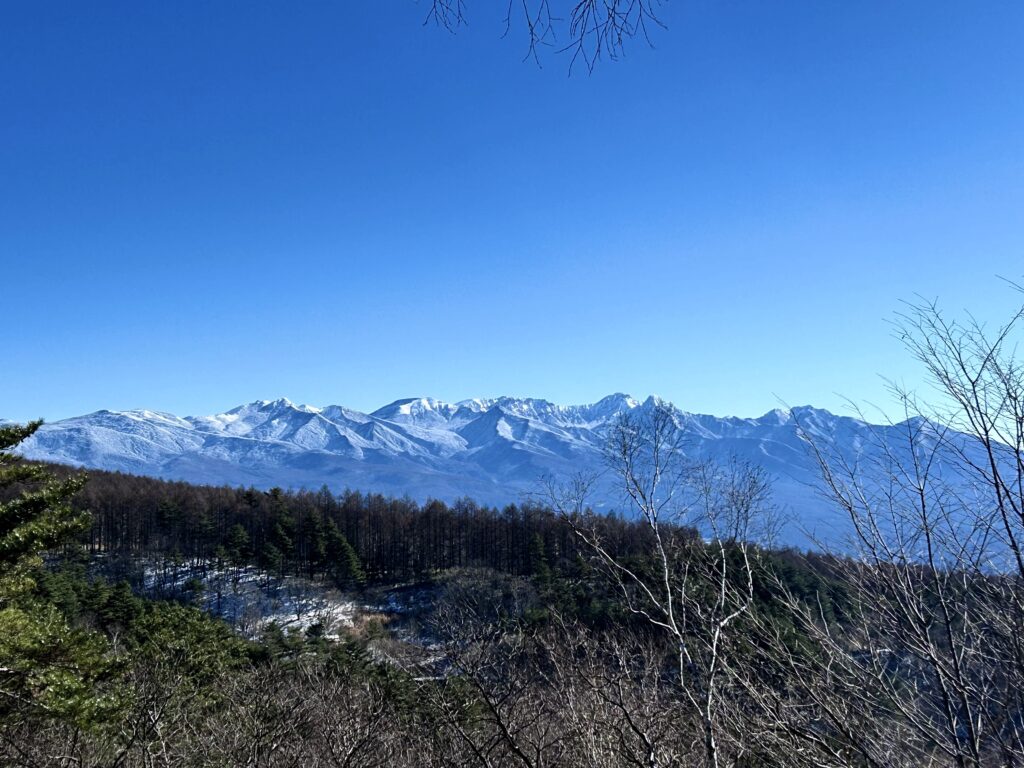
(494, 451)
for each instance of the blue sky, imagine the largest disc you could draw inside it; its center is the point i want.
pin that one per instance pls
(203, 204)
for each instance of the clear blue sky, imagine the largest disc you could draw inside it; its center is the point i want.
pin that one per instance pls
(202, 204)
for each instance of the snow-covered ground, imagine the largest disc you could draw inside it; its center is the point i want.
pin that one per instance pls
(250, 599)
(247, 598)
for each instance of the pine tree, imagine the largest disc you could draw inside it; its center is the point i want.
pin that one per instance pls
(239, 546)
(45, 665)
(538, 561)
(36, 514)
(348, 571)
(278, 549)
(317, 538)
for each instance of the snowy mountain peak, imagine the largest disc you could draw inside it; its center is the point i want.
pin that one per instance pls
(477, 404)
(415, 408)
(527, 407)
(281, 404)
(616, 402)
(494, 450)
(776, 416)
(808, 415)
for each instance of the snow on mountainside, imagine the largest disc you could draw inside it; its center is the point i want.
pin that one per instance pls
(494, 451)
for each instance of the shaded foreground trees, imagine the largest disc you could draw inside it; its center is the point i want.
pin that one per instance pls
(924, 667)
(694, 592)
(929, 668)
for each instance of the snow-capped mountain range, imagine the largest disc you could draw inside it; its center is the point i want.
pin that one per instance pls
(492, 450)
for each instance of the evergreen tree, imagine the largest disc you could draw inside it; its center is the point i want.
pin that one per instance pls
(273, 561)
(317, 544)
(538, 559)
(239, 546)
(278, 550)
(35, 515)
(45, 665)
(348, 571)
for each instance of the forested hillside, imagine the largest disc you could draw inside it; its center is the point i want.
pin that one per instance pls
(310, 533)
(535, 635)
(501, 586)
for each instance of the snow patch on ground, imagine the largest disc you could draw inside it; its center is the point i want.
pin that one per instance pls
(250, 600)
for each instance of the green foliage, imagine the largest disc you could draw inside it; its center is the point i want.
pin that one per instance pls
(47, 666)
(163, 638)
(239, 545)
(278, 643)
(35, 514)
(44, 663)
(540, 569)
(186, 641)
(346, 568)
(112, 608)
(575, 590)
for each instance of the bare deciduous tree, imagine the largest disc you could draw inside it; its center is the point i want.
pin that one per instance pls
(593, 29)
(694, 590)
(927, 668)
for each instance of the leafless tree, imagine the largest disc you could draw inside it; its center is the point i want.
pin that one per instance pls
(488, 693)
(555, 694)
(613, 696)
(927, 667)
(695, 587)
(592, 29)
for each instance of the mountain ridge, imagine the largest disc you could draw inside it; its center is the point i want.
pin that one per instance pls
(495, 450)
